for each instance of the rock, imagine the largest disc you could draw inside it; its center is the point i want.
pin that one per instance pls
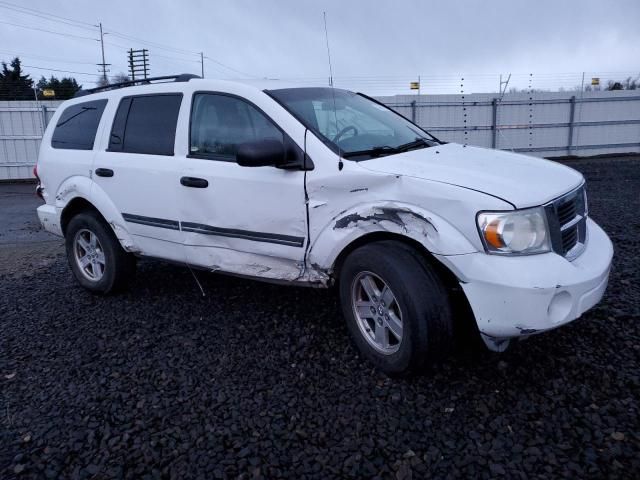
(205, 388)
(618, 436)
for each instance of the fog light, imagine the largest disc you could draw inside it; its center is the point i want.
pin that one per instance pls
(560, 307)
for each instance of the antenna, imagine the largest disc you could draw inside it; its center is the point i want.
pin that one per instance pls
(333, 93)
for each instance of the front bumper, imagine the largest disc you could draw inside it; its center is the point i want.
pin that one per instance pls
(520, 296)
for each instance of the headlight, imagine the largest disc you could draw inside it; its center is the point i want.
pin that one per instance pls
(519, 232)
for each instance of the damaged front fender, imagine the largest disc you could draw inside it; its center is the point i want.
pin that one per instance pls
(430, 230)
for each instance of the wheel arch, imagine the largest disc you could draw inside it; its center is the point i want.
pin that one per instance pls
(464, 322)
(74, 207)
(447, 275)
(80, 193)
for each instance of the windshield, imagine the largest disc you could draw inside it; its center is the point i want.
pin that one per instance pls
(352, 124)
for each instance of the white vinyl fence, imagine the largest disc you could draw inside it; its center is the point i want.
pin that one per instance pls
(544, 124)
(22, 124)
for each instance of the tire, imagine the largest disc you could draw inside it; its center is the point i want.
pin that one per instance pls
(419, 310)
(103, 266)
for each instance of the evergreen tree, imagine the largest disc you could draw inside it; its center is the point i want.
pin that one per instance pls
(64, 88)
(13, 84)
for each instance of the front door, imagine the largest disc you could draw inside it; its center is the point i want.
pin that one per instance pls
(244, 220)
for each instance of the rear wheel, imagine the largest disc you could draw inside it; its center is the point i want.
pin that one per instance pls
(95, 255)
(396, 307)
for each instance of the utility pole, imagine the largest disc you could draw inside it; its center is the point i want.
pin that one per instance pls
(202, 64)
(505, 83)
(138, 63)
(103, 64)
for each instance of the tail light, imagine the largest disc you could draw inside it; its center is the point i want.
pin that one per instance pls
(39, 188)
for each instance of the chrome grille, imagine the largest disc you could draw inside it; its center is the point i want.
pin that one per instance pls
(566, 211)
(567, 218)
(569, 239)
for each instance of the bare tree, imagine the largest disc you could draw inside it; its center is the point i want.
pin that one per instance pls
(102, 81)
(120, 77)
(629, 83)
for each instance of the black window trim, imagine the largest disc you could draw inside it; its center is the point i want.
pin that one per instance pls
(130, 97)
(95, 135)
(226, 158)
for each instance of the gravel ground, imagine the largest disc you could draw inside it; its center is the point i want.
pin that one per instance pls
(256, 380)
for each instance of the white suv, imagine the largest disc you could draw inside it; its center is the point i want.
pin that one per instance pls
(315, 186)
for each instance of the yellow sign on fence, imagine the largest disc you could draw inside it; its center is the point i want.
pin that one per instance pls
(414, 85)
(48, 92)
(595, 81)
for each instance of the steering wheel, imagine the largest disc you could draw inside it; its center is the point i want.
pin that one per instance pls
(345, 130)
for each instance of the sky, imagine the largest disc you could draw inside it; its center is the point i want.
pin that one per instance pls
(376, 46)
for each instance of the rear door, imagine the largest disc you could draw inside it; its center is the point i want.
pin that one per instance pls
(245, 220)
(139, 173)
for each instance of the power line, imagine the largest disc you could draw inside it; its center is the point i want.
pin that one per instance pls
(173, 49)
(167, 57)
(32, 11)
(90, 26)
(63, 71)
(40, 57)
(153, 44)
(46, 17)
(50, 31)
(117, 45)
(155, 55)
(126, 49)
(230, 68)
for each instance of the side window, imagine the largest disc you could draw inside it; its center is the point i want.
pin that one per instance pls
(146, 124)
(219, 123)
(77, 126)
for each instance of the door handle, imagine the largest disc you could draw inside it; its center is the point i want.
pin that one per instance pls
(194, 182)
(104, 172)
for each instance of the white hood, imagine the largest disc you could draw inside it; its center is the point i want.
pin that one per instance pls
(521, 180)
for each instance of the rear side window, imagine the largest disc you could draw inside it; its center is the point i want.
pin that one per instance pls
(146, 124)
(77, 126)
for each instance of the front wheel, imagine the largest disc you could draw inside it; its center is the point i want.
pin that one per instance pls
(95, 255)
(396, 307)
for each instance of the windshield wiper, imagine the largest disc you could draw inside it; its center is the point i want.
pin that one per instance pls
(419, 142)
(379, 151)
(374, 151)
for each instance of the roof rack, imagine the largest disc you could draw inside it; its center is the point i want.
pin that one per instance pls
(183, 77)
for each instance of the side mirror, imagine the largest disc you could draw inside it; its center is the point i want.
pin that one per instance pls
(261, 153)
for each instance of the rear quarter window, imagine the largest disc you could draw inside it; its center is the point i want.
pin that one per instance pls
(146, 124)
(77, 126)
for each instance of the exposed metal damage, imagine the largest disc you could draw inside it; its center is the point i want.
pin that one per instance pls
(398, 216)
(69, 190)
(125, 239)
